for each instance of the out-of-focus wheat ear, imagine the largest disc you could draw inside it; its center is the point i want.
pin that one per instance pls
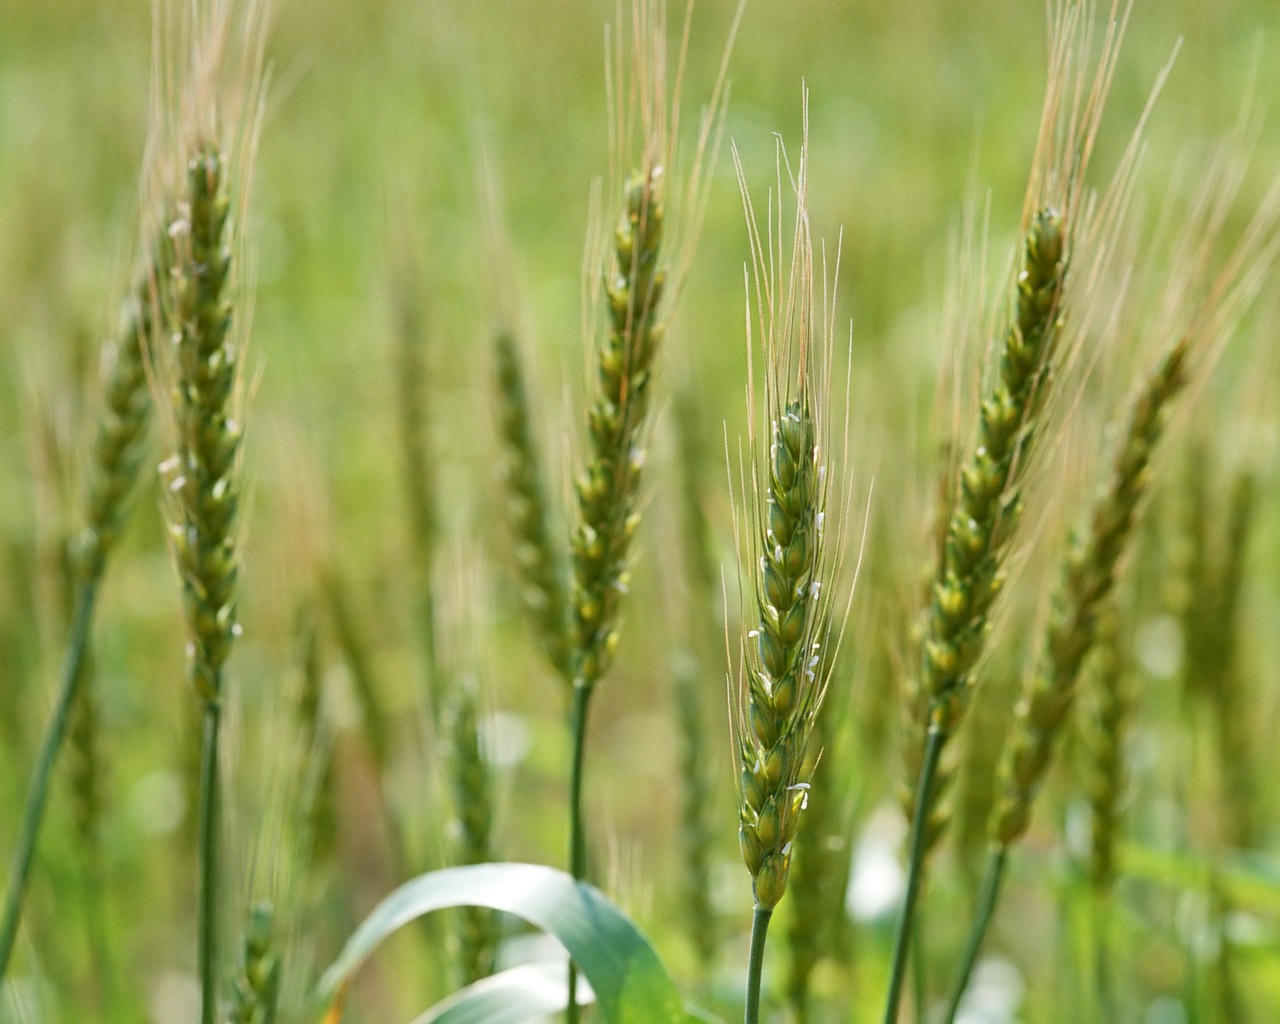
(608, 487)
(364, 685)
(120, 444)
(113, 468)
(697, 908)
(1107, 695)
(1091, 570)
(977, 753)
(1108, 703)
(88, 772)
(1049, 692)
(420, 475)
(367, 690)
(317, 821)
(1224, 683)
(1184, 554)
(473, 788)
(529, 513)
(701, 629)
(254, 996)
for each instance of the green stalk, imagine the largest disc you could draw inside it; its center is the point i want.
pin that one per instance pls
(987, 898)
(915, 870)
(207, 944)
(755, 965)
(577, 831)
(1100, 920)
(33, 812)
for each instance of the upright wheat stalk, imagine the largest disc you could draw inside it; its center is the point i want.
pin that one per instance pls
(203, 482)
(1090, 574)
(785, 660)
(112, 476)
(986, 500)
(638, 296)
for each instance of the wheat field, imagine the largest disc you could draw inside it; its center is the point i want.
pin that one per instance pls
(781, 499)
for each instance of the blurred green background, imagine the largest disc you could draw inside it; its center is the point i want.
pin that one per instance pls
(377, 116)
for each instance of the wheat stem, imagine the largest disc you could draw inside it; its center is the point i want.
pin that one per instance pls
(113, 474)
(755, 962)
(577, 829)
(915, 872)
(33, 811)
(208, 817)
(993, 875)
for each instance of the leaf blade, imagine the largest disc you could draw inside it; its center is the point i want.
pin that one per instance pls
(630, 982)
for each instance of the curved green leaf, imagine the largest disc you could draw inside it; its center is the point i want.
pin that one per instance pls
(525, 993)
(630, 983)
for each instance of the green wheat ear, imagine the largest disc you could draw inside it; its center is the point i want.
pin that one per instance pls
(609, 484)
(984, 511)
(119, 445)
(539, 558)
(783, 686)
(1109, 703)
(202, 477)
(1092, 565)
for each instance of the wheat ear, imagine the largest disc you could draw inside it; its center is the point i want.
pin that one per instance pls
(701, 613)
(786, 659)
(538, 556)
(1090, 574)
(969, 575)
(472, 784)
(609, 484)
(1109, 705)
(204, 488)
(113, 471)
(1092, 565)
